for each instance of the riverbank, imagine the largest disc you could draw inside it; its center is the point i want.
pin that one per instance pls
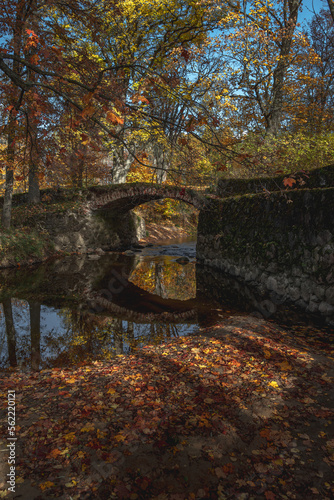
(23, 247)
(243, 410)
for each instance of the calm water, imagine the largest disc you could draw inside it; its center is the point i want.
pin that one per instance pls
(83, 308)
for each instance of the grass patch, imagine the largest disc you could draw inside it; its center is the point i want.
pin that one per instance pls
(23, 245)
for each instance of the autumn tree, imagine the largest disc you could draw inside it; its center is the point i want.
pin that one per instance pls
(311, 99)
(98, 53)
(260, 47)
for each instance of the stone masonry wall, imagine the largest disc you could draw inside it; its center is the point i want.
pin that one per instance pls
(317, 178)
(78, 232)
(282, 242)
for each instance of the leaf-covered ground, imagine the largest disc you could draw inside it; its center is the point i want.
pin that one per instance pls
(244, 411)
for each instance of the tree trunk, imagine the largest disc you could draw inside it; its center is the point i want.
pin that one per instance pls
(331, 7)
(121, 166)
(118, 336)
(159, 288)
(7, 204)
(160, 162)
(274, 115)
(35, 333)
(34, 195)
(15, 103)
(10, 331)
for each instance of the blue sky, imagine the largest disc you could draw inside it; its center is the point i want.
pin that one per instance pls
(309, 7)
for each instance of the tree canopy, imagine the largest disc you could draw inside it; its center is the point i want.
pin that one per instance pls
(172, 91)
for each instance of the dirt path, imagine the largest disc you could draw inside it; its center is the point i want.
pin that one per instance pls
(243, 411)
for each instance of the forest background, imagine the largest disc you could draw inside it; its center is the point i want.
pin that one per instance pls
(172, 91)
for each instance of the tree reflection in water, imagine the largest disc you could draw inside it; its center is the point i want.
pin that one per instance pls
(91, 337)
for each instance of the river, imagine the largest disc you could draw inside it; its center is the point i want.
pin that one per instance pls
(83, 308)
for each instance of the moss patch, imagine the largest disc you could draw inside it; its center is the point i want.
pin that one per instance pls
(23, 246)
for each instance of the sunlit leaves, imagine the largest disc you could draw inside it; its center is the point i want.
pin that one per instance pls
(213, 401)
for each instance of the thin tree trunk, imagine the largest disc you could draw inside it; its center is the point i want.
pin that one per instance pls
(160, 157)
(118, 336)
(15, 104)
(10, 331)
(35, 333)
(7, 204)
(34, 195)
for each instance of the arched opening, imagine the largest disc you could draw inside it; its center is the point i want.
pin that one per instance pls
(168, 219)
(124, 207)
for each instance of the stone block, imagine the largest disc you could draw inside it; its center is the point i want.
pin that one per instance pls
(326, 308)
(293, 293)
(312, 307)
(272, 283)
(330, 295)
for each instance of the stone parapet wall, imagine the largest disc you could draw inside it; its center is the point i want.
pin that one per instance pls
(318, 178)
(283, 243)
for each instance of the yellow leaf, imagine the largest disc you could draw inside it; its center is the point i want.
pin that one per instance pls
(87, 428)
(70, 485)
(273, 384)
(70, 436)
(267, 354)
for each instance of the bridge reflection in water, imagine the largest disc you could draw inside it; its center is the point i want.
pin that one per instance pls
(77, 309)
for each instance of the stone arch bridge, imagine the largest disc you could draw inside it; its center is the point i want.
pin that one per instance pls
(104, 217)
(124, 197)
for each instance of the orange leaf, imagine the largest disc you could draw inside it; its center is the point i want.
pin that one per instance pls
(265, 433)
(228, 468)
(143, 99)
(88, 111)
(46, 485)
(269, 495)
(87, 98)
(289, 181)
(54, 453)
(115, 119)
(34, 59)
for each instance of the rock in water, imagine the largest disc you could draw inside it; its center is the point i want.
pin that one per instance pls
(183, 260)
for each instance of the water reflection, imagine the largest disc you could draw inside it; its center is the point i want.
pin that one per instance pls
(79, 309)
(74, 310)
(73, 337)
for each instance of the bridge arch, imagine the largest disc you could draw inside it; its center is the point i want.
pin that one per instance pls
(122, 198)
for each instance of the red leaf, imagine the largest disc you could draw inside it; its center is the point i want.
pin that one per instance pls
(270, 495)
(185, 54)
(289, 181)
